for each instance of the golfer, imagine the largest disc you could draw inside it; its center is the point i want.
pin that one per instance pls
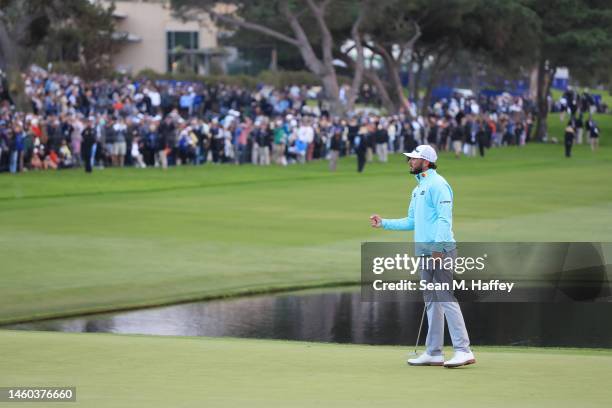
(430, 216)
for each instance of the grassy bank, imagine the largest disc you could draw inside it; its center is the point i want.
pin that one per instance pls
(119, 238)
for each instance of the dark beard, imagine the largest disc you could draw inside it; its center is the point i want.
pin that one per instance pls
(417, 170)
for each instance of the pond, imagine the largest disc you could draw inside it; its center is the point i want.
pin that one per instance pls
(341, 317)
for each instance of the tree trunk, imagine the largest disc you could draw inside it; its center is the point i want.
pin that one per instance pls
(394, 64)
(359, 64)
(433, 79)
(382, 90)
(395, 86)
(9, 54)
(437, 68)
(544, 82)
(16, 89)
(398, 89)
(332, 92)
(323, 68)
(273, 60)
(415, 81)
(533, 83)
(327, 74)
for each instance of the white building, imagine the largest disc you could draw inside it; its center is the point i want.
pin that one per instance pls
(153, 38)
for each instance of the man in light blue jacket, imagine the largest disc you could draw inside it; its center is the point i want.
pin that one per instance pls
(430, 215)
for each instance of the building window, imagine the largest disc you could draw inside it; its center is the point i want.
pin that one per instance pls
(182, 48)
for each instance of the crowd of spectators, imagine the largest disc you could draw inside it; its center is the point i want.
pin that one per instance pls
(144, 123)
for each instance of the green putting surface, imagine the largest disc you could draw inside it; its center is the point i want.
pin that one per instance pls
(140, 371)
(124, 238)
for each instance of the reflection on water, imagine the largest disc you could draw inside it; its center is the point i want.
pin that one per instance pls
(342, 317)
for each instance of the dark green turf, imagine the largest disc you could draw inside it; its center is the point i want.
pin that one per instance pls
(117, 238)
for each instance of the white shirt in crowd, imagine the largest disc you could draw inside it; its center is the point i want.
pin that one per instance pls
(475, 108)
(135, 149)
(118, 127)
(306, 133)
(295, 91)
(391, 131)
(155, 98)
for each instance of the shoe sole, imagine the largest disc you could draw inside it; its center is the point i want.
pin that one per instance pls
(425, 364)
(472, 361)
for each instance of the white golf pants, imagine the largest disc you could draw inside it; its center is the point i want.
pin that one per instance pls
(441, 304)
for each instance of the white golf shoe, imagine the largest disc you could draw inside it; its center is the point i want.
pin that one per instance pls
(426, 360)
(460, 358)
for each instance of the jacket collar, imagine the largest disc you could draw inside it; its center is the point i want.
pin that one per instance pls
(425, 175)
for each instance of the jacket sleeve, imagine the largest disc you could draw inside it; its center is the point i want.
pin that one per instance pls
(401, 224)
(442, 197)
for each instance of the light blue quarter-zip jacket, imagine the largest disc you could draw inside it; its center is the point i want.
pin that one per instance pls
(430, 214)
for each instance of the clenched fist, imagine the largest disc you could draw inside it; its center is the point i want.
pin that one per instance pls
(376, 221)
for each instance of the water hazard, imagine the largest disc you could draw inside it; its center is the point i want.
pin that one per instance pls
(343, 318)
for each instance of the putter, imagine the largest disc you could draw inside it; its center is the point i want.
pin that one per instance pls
(414, 353)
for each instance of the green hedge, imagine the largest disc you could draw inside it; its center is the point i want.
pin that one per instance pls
(83, 71)
(278, 79)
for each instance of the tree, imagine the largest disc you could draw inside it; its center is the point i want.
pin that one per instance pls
(493, 31)
(21, 26)
(25, 24)
(392, 29)
(399, 33)
(307, 25)
(84, 36)
(420, 35)
(576, 34)
(264, 52)
(443, 27)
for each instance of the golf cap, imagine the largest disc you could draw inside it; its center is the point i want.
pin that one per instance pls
(425, 152)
